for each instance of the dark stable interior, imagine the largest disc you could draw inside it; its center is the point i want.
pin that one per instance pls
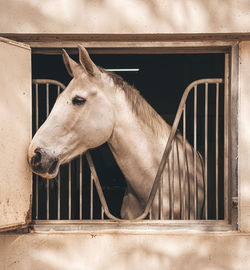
(161, 80)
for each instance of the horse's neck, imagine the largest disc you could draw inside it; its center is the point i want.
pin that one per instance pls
(135, 147)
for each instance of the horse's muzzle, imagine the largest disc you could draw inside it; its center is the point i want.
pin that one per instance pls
(42, 163)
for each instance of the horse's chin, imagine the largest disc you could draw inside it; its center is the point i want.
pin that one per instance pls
(48, 175)
(52, 173)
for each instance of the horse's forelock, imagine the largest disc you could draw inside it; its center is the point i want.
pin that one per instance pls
(139, 105)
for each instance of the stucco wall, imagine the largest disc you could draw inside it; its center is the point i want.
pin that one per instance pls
(124, 16)
(178, 251)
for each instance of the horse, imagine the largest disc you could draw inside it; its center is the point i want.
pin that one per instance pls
(98, 106)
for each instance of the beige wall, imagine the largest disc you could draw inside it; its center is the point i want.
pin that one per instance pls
(124, 16)
(178, 251)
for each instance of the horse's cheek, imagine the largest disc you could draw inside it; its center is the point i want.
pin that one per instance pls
(97, 129)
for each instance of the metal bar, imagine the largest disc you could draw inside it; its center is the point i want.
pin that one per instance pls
(80, 188)
(227, 164)
(98, 187)
(37, 125)
(169, 190)
(69, 202)
(188, 207)
(195, 151)
(59, 196)
(47, 199)
(58, 181)
(91, 196)
(37, 201)
(172, 184)
(47, 180)
(184, 163)
(37, 107)
(206, 149)
(102, 213)
(217, 152)
(179, 176)
(103, 226)
(58, 90)
(129, 222)
(160, 199)
(49, 81)
(47, 99)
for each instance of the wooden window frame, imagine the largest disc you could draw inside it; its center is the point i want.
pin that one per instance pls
(156, 44)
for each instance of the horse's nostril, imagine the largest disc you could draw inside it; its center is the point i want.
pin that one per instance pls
(36, 159)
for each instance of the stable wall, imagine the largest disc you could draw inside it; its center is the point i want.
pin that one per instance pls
(142, 250)
(118, 251)
(129, 16)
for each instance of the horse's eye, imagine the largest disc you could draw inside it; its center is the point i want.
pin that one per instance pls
(78, 101)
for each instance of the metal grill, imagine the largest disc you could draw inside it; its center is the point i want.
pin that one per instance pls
(77, 194)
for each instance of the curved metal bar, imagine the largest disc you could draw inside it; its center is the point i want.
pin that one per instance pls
(170, 140)
(48, 81)
(163, 159)
(59, 85)
(99, 188)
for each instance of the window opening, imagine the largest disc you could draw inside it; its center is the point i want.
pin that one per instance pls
(172, 74)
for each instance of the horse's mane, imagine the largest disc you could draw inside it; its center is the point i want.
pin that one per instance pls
(139, 105)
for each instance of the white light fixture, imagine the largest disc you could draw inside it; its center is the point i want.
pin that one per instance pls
(122, 69)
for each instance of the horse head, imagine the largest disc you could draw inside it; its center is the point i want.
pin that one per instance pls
(82, 118)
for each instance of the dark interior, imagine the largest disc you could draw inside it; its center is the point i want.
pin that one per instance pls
(161, 80)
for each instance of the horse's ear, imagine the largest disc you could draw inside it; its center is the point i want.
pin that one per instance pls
(71, 66)
(86, 61)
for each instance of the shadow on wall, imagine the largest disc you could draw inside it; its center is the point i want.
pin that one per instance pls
(103, 252)
(131, 16)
